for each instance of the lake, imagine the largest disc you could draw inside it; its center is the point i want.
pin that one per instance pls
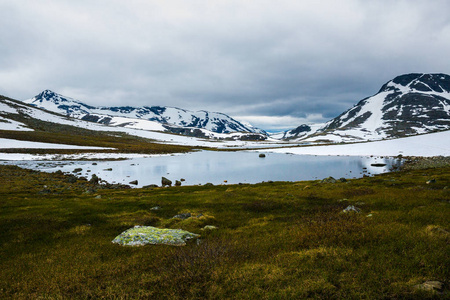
(220, 167)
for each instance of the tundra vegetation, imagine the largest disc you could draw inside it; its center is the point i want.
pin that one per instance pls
(277, 240)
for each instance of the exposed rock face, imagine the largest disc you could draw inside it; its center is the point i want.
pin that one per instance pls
(143, 235)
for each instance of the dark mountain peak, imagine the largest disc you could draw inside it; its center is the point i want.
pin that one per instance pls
(46, 94)
(419, 82)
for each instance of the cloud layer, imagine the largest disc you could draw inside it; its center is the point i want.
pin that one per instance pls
(260, 61)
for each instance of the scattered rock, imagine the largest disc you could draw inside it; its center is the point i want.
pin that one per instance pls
(209, 184)
(435, 286)
(342, 179)
(378, 165)
(165, 181)
(98, 197)
(431, 181)
(177, 183)
(94, 164)
(77, 170)
(156, 208)
(182, 179)
(135, 182)
(351, 208)
(109, 169)
(143, 235)
(262, 155)
(209, 227)
(182, 216)
(150, 186)
(328, 180)
(94, 179)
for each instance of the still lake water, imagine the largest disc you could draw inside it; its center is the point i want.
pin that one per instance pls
(217, 167)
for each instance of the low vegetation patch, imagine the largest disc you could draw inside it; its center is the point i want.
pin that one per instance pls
(280, 240)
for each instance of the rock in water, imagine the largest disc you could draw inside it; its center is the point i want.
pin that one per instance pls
(143, 235)
(262, 155)
(165, 181)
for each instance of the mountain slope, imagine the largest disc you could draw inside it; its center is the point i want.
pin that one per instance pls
(408, 105)
(155, 116)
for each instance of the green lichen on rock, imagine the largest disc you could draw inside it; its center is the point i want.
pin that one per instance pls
(143, 235)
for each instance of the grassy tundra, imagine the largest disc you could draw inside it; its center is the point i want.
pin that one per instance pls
(282, 240)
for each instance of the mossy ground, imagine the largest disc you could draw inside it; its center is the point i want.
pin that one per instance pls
(279, 240)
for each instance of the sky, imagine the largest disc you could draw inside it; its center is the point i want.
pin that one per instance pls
(274, 64)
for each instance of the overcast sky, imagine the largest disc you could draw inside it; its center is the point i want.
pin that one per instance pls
(276, 64)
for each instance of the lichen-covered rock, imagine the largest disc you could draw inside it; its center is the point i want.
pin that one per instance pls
(329, 180)
(143, 235)
(165, 181)
(351, 208)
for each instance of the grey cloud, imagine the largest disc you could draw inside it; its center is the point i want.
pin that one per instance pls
(252, 58)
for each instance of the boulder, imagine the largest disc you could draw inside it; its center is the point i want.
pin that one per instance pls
(144, 235)
(328, 180)
(262, 155)
(177, 183)
(351, 208)
(135, 182)
(165, 181)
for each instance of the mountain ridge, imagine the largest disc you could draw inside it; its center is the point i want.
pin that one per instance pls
(407, 105)
(164, 115)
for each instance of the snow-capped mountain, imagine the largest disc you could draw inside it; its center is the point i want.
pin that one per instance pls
(171, 118)
(407, 105)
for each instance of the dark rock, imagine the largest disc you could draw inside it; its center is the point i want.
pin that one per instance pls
(182, 179)
(165, 181)
(135, 182)
(177, 183)
(150, 186)
(262, 155)
(94, 179)
(94, 164)
(378, 165)
(342, 179)
(209, 184)
(182, 216)
(431, 181)
(109, 169)
(77, 170)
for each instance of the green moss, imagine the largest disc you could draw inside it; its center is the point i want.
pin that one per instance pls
(143, 235)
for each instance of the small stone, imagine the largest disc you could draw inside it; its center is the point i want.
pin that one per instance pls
(351, 208)
(209, 184)
(182, 179)
(431, 181)
(135, 182)
(109, 169)
(155, 208)
(77, 170)
(98, 197)
(177, 183)
(209, 227)
(342, 179)
(262, 155)
(182, 216)
(430, 286)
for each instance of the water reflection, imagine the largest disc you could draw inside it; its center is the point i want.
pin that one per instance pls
(217, 167)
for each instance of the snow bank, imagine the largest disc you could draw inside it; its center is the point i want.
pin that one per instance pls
(432, 144)
(10, 143)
